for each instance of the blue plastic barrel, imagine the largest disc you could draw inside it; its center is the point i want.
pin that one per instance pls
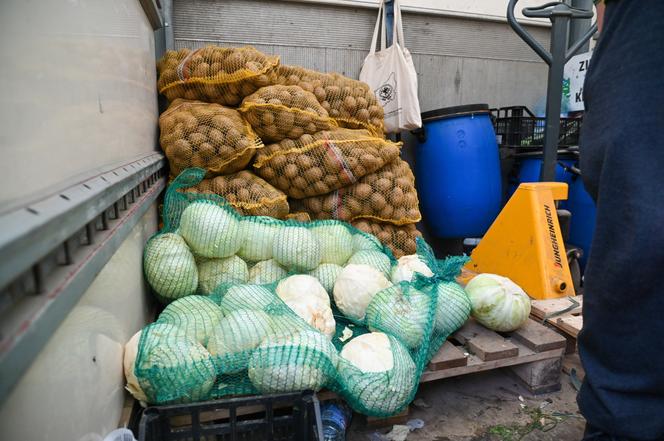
(529, 171)
(458, 171)
(582, 226)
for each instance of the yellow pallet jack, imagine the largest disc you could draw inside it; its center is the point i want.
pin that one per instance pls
(525, 243)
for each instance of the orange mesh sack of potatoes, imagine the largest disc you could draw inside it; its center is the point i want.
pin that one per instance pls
(209, 136)
(247, 193)
(317, 164)
(299, 216)
(349, 102)
(388, 195)
(278, 112)
(214, 74)
(400, 239)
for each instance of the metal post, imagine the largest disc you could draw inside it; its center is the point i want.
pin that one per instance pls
(580, 26)
(167, 10)
(389, 21)
(554, 95)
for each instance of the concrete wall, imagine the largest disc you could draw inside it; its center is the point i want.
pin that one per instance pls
(459, 60)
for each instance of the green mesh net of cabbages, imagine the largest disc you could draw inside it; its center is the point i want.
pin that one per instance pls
(259, 305)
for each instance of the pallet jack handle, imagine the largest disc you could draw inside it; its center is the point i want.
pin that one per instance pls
(560, 15)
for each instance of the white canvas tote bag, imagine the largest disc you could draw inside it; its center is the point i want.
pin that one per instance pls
(390, 73)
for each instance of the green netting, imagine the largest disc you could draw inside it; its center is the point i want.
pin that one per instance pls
(293, 306)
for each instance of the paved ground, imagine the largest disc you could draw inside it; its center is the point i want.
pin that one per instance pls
(487, 407)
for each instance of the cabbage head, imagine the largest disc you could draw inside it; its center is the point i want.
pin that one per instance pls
(170, 267)
(266, 271)
(211, 231)
(236, 336)
(365, 241)
(401, 311)
(169, 367)
(214, 272)
(355, 287)
(196, 316)
(378, 373)
(254, 297)
(296, 248)
(303, 361)
(326, 273)
(453, 307)
(258, 239)
(336, 242)
(377, 259)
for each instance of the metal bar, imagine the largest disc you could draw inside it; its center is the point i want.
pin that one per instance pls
(554, 97)
(579, 27)
(167, 11)
(25, 334)
(28, 234)
(152, 13)
(530, 41)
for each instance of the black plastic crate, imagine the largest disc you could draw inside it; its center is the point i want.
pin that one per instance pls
(517, 127)
(291, 416)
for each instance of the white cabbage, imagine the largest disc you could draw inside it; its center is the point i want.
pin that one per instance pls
(210, 230)
(355, 287)
(377, 259)
(258, 240)
(170, 267)
(196, 316)
(246, 297)
(326, 273)
(266, 271)
(336, 243)
(214, 272)
(296, 248)
(309, 300)
(237, 334)
(167, 366)
(401, 311)
(406, 268)
(378, 372)
(303, 361)
(497, 302)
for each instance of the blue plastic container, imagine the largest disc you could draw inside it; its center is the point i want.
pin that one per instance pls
(582, 226)
(529, 171)
(458, 171)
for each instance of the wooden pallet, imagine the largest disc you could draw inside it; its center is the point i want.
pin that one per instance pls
(569, 323)
(533, 354)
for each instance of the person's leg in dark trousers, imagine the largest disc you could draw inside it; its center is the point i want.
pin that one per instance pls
(622, 162)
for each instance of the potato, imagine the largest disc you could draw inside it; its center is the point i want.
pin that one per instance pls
(377, 201)
(197, 138)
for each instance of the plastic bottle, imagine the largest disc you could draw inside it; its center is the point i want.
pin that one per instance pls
(336, 419)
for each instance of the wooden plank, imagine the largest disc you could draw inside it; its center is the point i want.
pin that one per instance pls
(475, 364)
(570, 324)
(542, 308)
(539, 376)
(538, 337)
(400, 418)
(448, 356)
(486, 344)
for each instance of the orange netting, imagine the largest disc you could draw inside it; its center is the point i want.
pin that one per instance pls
(400, 239)
(209, 136)
(247, 193)
(325, 161)
(387, 195)
(278, 112)
(214, 74)
(350, 102)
